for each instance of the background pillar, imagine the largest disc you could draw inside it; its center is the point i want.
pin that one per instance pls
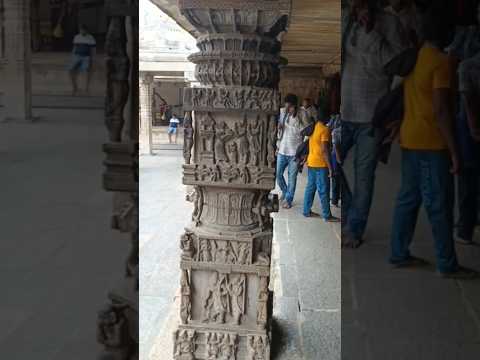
(146, 98)
(18, 83)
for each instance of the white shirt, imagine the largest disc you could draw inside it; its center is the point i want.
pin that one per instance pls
(291, 138)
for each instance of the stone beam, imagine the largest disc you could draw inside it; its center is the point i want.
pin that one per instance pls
(230, 139)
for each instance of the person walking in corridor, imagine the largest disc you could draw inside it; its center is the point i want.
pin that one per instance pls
(84, 45)
(429, 153)
(173, 129)
(371, 39)
(291, 123)
(319, 172)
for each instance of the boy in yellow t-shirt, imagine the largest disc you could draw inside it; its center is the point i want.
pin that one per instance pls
(319, 172)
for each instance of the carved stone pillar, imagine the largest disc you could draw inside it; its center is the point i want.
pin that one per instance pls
(117, 327)
(146, 98)
(225, 298)
(17, 73)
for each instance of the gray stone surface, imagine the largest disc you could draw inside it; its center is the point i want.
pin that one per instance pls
(57, 250)
(399, 313)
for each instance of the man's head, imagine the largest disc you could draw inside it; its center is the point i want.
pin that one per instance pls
(400, 4)
(83, 29)
(174, 115)
(438, 25)
(291, 102)
(307, 102)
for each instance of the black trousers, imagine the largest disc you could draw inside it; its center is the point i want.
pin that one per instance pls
(468, 200)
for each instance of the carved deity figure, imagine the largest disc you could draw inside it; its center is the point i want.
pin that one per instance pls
(217, 304)
(243, 145)
(118, 68)
(205, 251)
(197, 97)
(213, 346)
(227, 347)
(185, 345)
(112, 333)
(237, 291)
(232, 152)
(186, 245)
(185, 301)
(223, 134)
(243, 253)
(207, 131)
(188, 137)
(244, 175)
(262, 303)
(272, 142)
(257, 347)
(255, 132)
(198, 205)
(231, 173)
(225, 100)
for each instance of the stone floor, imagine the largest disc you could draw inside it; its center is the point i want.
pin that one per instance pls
(405, 314)
(306, 269)
(58, 255)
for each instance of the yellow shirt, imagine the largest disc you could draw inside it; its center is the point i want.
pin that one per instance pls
(316, 158)
(419, 130)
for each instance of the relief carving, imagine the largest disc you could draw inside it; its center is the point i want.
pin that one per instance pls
(232, 99)
(184, 345)
(258, 348)
(186, 245)
(112, 333)
(221, 346)
(228, 252)
(272, 142)
(188, 137)
(262, 303)
(185, 301)
(118, 68)
(225, 301)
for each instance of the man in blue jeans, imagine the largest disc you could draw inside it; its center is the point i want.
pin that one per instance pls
(291, 123)
(371, 38)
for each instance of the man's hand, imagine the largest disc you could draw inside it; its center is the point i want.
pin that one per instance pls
(363, 17)
(455, 164)
(475, 134)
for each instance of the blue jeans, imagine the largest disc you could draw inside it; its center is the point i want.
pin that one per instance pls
(318, 180)
(288, 191)
(356, 207)
(425, 178)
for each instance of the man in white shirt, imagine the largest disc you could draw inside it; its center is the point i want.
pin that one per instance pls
(82, 57)
(290, 125)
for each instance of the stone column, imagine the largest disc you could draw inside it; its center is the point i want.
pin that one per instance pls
(146, 98)
(226, 252)
(117, 326)
(17, 71)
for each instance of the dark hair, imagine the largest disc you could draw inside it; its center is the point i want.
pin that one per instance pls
(291, 99)
(83, 27)
(438, 24)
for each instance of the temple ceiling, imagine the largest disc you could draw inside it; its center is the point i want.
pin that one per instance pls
(313, 38)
